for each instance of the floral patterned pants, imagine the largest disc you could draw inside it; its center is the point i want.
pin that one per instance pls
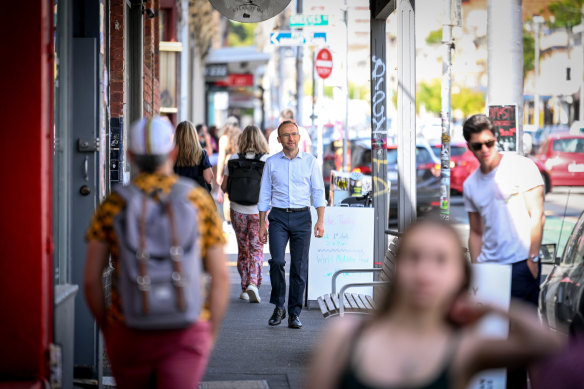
(250, 258)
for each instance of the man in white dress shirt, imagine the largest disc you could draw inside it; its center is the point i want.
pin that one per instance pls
(291, 177)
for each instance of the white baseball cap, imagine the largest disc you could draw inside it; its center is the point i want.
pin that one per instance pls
(152, 136)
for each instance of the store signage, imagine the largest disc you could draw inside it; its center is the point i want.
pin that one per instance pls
(300, 20)
(236, 80)
(324, 63)
(504, 122)
(297, 38)
(215, 71)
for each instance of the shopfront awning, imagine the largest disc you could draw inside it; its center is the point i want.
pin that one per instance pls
(238, 59)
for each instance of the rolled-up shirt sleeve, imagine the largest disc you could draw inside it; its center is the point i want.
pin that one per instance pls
(265, 189)
(317, 186)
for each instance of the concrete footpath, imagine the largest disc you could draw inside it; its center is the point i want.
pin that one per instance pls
(251, 354)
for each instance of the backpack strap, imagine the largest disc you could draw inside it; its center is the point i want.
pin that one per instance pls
(179, 190)
(143, 280)
(142, 256)
(258, 157)
(176, 255)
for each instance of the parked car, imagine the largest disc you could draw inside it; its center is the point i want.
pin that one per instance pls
(543, 133)
(562, 294)
(428, 172)
(562, 157)
(462, 164)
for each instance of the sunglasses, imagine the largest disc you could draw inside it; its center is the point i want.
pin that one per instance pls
(476, 146)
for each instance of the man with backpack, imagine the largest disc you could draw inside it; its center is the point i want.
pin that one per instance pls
(162, 232)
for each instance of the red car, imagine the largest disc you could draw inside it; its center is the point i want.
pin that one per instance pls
(462, 164)
(562, 156)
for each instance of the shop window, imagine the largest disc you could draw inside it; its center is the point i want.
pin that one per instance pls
(169, 58)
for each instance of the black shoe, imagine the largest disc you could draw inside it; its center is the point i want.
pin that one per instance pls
(277, 316)
(294, 322)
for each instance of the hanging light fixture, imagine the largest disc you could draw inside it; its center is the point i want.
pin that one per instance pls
(249, 11)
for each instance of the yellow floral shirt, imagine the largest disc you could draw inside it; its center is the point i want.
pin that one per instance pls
(102, 229)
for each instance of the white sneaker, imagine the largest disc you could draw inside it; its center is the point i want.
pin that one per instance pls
(253, 293)
(244, 296)
(227, 226)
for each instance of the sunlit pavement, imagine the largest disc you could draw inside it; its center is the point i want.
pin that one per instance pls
(251, 354)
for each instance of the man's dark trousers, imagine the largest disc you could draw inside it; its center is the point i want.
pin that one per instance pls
(523, 287)
(293, 226)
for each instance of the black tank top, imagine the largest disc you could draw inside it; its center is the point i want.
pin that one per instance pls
(350, 380)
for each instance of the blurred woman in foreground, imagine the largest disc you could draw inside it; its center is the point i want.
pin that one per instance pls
(421, 336)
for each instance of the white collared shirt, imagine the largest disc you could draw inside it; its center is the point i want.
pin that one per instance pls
(290, 183)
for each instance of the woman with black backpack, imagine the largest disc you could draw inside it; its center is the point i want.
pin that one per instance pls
(192, 160)
(242, 180)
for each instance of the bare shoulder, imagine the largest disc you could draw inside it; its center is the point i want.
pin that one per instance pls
(343, 327)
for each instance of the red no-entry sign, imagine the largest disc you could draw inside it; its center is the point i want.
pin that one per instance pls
(324, 63)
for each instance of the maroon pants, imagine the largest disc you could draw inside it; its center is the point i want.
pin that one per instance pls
(158, 359)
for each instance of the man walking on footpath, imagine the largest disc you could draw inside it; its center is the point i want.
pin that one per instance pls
(504, 200)
(291, 177)
(160, 333)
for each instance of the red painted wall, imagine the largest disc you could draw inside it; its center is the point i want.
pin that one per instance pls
(25, 239)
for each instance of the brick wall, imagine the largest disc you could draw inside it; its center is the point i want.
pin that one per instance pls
(151, 62)
(116, 66)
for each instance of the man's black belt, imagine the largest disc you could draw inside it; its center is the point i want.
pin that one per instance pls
(289, 210)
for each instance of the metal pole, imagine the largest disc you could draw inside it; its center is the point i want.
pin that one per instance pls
(299, 74)
(537, 21)
(312, 115)
(183, 29)
(505, 58)
(346, 137)
(446, 112)
(406, 111)
(319, 140)
(581, 113)
(280, 78)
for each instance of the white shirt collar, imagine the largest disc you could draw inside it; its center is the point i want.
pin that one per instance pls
(299, 155)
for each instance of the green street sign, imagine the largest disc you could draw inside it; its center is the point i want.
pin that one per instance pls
(301, 20)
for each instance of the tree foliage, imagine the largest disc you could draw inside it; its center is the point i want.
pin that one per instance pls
(528, 52)
(566, 13)
(429, 96)
(434, 37)
(466, 100)
(241, 34)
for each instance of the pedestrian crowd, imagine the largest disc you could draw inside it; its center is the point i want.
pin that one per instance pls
(162, 236)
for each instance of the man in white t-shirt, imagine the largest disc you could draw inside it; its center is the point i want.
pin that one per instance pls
(304, 144)
(504, 200)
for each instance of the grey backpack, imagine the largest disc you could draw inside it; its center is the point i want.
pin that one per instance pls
(160, 280)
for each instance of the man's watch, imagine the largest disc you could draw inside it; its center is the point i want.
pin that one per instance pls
(534, 258)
